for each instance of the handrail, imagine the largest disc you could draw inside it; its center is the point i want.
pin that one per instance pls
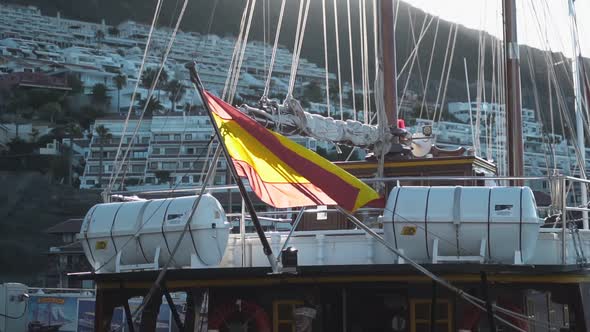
(195, 189)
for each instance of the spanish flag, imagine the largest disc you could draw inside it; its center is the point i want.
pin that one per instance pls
(281, 172)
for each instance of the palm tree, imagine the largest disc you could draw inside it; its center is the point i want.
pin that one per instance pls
(103, 134)
(114, 31)
(53, 110)
(175, 92)
(120, 81)
(99, 94)
(153, 105)
(34, 135)
(99, 36)
(148, 76)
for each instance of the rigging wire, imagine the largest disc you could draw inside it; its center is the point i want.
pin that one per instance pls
(135, 235)
(548, 145)
(442, 74)
(448, 73)
(376, 60)
(162, 273)
(469, 102)
(416, 57)
(338, 54)
(237, 70)
(563, 107)
(133, 95)
(152, 88)
(297, 50)
(353, 91)
(429, 71)
(414, 49)
(274, 50)
(367, 90)
(363, 60)
(324, 23)
(237, 46)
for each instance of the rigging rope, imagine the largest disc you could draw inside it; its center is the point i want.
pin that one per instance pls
(274, 50)
(442, 74)
(469, 102)
(416, 57)
(242, 53)
(152, 88)
(338, 54)
(301, 24)
(324, 23)
(366, 89)
(363, 38)
(353, 91)
(141, 67)
(237, 47)
(429, 71)
(448, 73)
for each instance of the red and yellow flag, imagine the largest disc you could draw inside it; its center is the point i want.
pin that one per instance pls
(281, 172)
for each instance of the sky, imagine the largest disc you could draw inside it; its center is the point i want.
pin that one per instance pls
(540, 22)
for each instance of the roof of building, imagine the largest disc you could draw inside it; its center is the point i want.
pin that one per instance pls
(68, 226)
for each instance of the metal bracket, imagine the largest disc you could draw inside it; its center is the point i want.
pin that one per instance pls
(119, 267)
(436, 258)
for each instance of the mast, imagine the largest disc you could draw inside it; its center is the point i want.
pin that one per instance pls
(578, 108)
(513, 93)
(389, 63)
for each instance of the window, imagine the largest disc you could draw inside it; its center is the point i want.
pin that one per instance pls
(186, 164)
(188, 137)
(172, 151)
(149, 180)
(145, 140)
(282, 315)
(161, 137)
(169, 165)
(153, 165)
(420, 315)
(94, 169)
(90, 182)
(190, 150)
(177, 137)
(156, 150)
(185, 179)
(137, 169)
(139, 154)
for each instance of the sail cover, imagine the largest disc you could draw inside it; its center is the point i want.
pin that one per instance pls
(281, 172)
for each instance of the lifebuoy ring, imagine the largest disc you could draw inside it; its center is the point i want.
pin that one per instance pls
(224, 312)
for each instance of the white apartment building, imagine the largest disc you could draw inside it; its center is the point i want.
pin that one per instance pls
(25, 33)
(543, 152)
(168, 151)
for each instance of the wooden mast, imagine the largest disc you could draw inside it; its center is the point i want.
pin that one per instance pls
(513, 92)
(386, 8)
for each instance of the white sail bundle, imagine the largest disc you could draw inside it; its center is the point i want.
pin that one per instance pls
(290, 118)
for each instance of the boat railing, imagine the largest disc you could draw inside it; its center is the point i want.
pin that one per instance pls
(61, 291)
(561, 212)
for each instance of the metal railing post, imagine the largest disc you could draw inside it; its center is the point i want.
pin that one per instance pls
(243, 232)
(563, 220)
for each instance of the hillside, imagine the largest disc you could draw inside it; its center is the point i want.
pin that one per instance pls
(223, 18)
(32, 205)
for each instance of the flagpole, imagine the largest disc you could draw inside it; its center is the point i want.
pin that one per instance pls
(194, 76)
